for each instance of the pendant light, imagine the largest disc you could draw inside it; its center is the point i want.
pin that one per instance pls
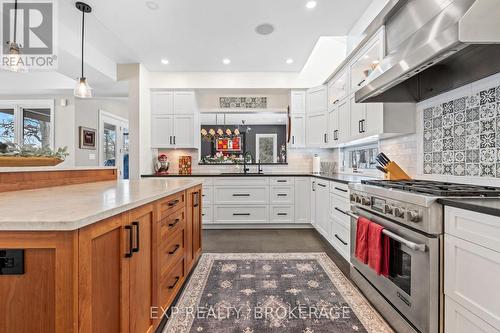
(82, 89)
(15, 62)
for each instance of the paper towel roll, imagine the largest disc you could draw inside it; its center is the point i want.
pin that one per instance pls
(316, 164)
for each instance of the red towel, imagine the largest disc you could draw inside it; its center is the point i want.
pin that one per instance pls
(361, 251)
(378, 249)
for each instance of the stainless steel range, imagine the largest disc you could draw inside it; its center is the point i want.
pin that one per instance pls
(411, 298)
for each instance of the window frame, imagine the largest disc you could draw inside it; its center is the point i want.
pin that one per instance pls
(19, 105)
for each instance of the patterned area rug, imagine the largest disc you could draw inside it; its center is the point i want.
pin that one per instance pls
(271, 292)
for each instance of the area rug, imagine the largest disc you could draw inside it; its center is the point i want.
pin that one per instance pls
(271, 293)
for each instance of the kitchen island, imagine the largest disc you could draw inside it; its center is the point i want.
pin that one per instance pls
(96, 257)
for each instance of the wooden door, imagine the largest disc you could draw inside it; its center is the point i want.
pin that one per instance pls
(104, 276)
(141, 269)
(193, 226)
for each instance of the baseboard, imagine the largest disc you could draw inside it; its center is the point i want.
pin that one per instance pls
(257, 226)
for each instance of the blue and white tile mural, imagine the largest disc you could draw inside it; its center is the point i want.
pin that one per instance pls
(462, 137)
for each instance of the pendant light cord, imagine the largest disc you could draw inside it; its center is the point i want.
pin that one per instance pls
(15, 21)
(83, 36)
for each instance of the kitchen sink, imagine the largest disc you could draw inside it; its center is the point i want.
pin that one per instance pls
(241, 173)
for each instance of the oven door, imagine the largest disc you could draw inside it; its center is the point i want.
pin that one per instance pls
(412, 287)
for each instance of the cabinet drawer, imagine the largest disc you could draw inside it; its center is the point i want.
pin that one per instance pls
(171, 204)
(171, 251)
(207, 214)
(340, 189)
(241, 181)
(475, 227)
(208, 195)
(460, 320)
(239, 195)
(338, 204)
(471, 278)
(171, 224)
(281, 214)
(282, 195)
(341, 238)
(170, 284)
(241, 214)
(281, 181)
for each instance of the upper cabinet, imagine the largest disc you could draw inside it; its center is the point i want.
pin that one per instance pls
(338, 89)
(184, 102)
(317, 117)
(316, 101)
(162, 102)
(367, 60)
(298, 101)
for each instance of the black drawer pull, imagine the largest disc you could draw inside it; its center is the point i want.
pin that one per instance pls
(281, 181)
(241, 195)
(177, 246)
(282, 214)
(282, 194)
(173, 203)
(174, 223)
(322, 185)
(177, 278)
(340, 210)
(241, 214)
(202, 214)
(340, 189)
(360, 83)
(137, 236)
(130, 252)
(340, 239)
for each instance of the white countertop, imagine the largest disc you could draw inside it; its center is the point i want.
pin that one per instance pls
(75, 206)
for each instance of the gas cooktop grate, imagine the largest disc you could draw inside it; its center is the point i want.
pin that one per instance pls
(437, 188)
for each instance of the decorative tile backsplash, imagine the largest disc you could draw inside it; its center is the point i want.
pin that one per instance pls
(462, 137)
(243, 102)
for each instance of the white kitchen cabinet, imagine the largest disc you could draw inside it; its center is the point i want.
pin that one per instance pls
(317, 101)
(282, 181)
(340, 238)
(282, 195)
(207, 214)
(249, 195)
(333, 126)
(338, 88)
(298, 102)
(316, 131)
(162, 131)
(460, 320)
(358, 117)
(241, 214)
(302, 199)
(298, 131)
(281, 214)
(323, 224)
(162, 102)
(183, 131)
(344, 121)
(184, 102)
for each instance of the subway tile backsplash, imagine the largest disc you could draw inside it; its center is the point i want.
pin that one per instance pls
(461, 137)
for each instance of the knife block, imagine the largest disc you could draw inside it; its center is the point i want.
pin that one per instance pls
(394, 172)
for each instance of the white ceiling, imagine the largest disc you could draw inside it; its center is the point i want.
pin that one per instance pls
(195, 35)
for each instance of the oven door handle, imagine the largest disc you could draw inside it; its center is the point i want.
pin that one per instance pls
(410, 244)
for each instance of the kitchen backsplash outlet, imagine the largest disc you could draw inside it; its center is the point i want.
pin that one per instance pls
(461, 137)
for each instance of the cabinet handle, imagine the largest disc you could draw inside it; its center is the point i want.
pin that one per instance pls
(313, 186)
(340, 189)
(130, 252)
(281, 181)
(340, 210)
(177, 246)
(363, 125)
(170, 137)
(174, 139)
(241, 214)
(335, 101)
(137, 236)
(359, 126)
(326, 139)
(174, 223)
(340, 239)
(173, 203)
(241, 195)
(282, 214)
(322, 185)
(281, 195)
(177, 278)
(293, 139)
(360, 83)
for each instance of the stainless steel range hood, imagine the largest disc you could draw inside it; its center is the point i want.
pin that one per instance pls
(434, 46)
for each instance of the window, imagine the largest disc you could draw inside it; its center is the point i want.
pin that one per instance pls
(266, 148)
(359, 158)
(27, 123)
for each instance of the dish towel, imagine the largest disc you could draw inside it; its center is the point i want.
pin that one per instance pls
(361, 251)
(378, 249)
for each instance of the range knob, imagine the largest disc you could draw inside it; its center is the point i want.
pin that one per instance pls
(399, 212)
(358, 199)
(353, 197)
(365, 201)
(388, 209)
(413, 216)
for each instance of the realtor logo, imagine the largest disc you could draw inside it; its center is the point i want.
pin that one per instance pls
(28, 35)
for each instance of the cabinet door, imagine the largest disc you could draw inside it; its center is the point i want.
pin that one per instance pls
(298, 139)
(367, 61)
(141, 269)
(184, 102)
(183, 131)
(344, 130)
(337, 89)
(298, 102)
(193, 226)
(322, 218)
(333, 126)
(316, 132)
(374, 120)
(162, 102)
(358, 116)
(302, 199)
(316, 101)
(103, 278)
(162, 131)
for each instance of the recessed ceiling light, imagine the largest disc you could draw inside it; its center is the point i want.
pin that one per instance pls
(311, 4)
(153, 5)
(164, 61)
(289, 61)
(226, 61)
(264, 29)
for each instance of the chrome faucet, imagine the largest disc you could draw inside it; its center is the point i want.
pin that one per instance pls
(245, 169)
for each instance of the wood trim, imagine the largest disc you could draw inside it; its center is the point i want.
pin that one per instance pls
(27, 180)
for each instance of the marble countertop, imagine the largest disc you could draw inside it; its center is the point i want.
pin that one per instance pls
(490, 206)
(76, 206)
(337, 177)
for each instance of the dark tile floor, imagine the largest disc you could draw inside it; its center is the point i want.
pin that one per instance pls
(271, 240)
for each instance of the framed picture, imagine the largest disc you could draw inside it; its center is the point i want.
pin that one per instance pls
(87, 138)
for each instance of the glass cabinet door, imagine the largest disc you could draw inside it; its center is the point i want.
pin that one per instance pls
(367, 62)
